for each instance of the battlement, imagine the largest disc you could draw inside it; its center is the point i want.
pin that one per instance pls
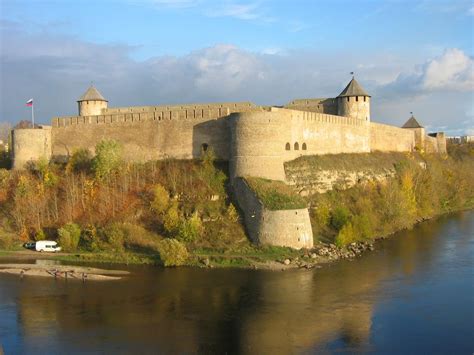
(232, 106)
(155, 113)
(317, 117)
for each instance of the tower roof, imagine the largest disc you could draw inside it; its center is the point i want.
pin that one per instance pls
(412, 123)
(92, 94)
(353, 89)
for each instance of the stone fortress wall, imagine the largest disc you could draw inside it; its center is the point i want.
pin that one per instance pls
(256, 140)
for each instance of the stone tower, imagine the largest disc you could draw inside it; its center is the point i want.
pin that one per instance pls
(354, 102)
(413, 125)
(91, 103)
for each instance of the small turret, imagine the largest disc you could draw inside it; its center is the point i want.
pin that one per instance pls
(354, 102)
(413, 125)
(91, 103)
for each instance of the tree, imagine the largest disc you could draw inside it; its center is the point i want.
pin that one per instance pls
(108, 158)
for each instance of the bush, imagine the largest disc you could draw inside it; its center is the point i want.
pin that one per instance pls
(346, 235)
(108, 158)
(232, 214)
(322, 215)
(90, 239)
(6, 242)
(40, 235)
(172, 252)
(138, 237)
(189, 230)
(69, 237)
(171, 219)
(161, 199)
(114, 235)
(340, 217)
(80, 161)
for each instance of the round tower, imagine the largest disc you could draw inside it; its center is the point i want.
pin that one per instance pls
(91, 103)
(354, 102)
(256, 144)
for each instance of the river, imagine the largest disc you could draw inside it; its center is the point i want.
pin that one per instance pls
(413, 294)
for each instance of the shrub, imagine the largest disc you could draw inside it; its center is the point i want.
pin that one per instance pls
(81, 160)
(138, 237)
(6, 242)
(114, 235)
(90, 239)
(190, 229)
(362, 227)
(322, 215)
(161, 199)
(340, 217)
(346, 235)
(232, 214)
(40, 235)
(215, 178)
(69, 236)
(108, 158)
(172, 252)
(171, 219)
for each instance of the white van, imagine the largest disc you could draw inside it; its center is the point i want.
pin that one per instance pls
(47, 245)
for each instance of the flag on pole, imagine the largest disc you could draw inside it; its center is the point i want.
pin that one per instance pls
(29, 103)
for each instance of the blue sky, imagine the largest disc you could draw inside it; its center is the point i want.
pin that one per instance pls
(411, 55)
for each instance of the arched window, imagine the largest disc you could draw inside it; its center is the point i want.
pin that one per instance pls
(365, 98)
(357, 98)
(297, 146)
(287, 146)
(347, 98)
(204, 147)
(304, 146)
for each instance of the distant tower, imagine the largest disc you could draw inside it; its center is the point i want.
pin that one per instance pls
(413, 125)
(354, 102)
(91, 103)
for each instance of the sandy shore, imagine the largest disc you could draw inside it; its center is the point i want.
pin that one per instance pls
(62, 271)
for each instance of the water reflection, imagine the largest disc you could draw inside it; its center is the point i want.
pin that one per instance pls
(216, 311)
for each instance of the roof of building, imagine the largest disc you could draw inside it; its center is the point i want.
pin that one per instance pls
(353, 89)
(92, 94)
(412, 123)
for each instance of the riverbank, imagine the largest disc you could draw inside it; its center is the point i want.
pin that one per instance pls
(266, 258)
(176, 213)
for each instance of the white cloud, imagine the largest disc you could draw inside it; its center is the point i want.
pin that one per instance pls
(454, 70)
(249, 11)
(57, 70)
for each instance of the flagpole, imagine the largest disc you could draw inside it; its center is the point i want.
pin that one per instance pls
(33, 115)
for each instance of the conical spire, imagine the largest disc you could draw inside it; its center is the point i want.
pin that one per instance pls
(353, 89)
(92, 94)
(412, 123)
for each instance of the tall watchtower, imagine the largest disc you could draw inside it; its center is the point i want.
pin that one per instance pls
(91, 103)
(354, 102)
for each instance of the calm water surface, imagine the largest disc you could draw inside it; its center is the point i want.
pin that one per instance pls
(414, 294)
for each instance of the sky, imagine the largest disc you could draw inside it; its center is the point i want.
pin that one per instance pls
(411, 56)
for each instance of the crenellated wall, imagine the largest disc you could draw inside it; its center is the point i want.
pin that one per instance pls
(167, 132)
(262, 140)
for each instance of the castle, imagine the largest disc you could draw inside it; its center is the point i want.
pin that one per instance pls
(255, 140)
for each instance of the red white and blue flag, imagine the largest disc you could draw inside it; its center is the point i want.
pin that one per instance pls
(29, 102)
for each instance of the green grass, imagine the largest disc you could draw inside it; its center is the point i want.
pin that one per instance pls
(115, 258)
(276, 195)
